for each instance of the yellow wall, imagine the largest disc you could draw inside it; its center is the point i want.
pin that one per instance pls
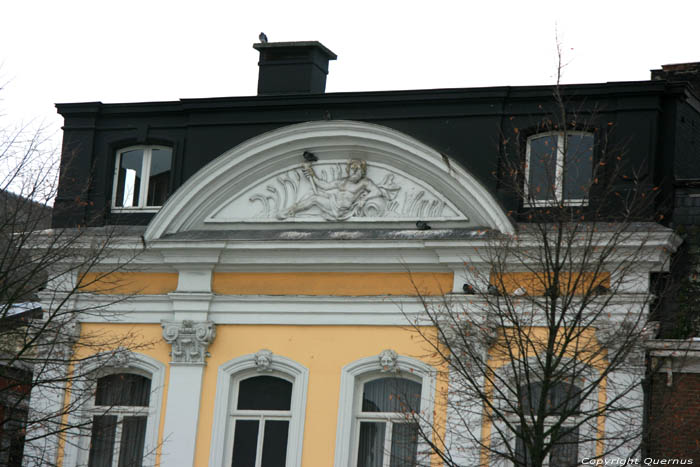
(324, 350)
(129, 283)
(332, 283)
(535, 284)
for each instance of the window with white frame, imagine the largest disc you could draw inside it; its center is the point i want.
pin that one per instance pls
(559, 167)
(563, 401)
(142, 177)
(260, 421)
(385, 405)
(259, 412)
(385, 429)
(120, 410)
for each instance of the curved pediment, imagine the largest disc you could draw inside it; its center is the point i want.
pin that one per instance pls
(329, 174)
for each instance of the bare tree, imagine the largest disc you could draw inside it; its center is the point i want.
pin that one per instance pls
(48, 365)
(542, 356)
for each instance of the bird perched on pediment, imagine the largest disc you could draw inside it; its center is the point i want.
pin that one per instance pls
(493, 290)
(422, 225)
(310, 156)
(263, 38)
(468, 289)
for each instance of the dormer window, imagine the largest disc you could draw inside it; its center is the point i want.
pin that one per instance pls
(559, 168)
(142, 177)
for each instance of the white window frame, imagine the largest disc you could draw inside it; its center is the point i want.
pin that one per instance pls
(559, 172)
(77, 446)
(352, 379)
(230, 374)
(145, 170)
(586, 432)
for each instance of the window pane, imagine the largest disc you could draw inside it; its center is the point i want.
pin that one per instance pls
(129, 178)
(123, 389)
(391, 395)
(275, 443)
(12, 427)
(565, 449)
(102, 441)
(521, 453)
(561, 397)
(543, 167)
(404, 444)
(132, 442)
(264, 393)
(159, 178)
(565, 397)
(371, 449)
(578, 166)
(245, 443)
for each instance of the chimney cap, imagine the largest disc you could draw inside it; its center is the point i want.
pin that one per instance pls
(296, 44)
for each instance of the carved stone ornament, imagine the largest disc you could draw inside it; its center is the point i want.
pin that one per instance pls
(389, 360)
(189, 340)
(263, 360)
(118, 358)
(339, 191)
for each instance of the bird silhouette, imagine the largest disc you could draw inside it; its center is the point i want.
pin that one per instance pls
(468, 289)
(493, 290)
(519, 292)
(310, 156)
(263, 38)
(422, 225)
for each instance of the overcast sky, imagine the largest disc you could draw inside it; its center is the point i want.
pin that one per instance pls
(147, 50)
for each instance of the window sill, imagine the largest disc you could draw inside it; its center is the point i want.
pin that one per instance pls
(552, 204)
(135, 210)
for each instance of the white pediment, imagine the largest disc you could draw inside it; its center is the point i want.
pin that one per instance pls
(357, 175)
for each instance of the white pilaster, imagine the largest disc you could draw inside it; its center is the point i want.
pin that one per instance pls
(189, 341)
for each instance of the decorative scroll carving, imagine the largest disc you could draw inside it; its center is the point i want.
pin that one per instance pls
(189, 340)
(389, 360)
(263, 360)
(339, 192)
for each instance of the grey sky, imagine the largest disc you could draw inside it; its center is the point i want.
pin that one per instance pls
(71, 51)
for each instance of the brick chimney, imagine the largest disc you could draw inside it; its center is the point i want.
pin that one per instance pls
(688, 72)
(293, 67)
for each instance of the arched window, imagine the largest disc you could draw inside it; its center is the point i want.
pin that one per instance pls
(259, 412)
(562, 402)
(386, 433)
(383, 399)
(260, 422)
(559, 168)
(120, 412)
(141, 177)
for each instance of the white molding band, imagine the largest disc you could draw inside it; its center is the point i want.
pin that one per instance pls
(222, 179)
(377, 364)
(77, 444)
(240, 367)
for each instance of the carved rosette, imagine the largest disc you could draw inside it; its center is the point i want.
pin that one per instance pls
(189, 340)
(389, 360)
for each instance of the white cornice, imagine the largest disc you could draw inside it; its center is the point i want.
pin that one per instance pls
(302, 309)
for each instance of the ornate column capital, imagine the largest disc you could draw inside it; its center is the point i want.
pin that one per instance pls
(189, 340)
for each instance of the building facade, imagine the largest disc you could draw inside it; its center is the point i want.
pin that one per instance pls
(289, 243)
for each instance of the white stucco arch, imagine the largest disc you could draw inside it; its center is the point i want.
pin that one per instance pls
(194, 204)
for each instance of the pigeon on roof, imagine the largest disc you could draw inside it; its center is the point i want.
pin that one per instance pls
(263, 38)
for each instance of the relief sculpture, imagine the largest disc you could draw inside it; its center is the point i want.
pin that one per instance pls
(339, 192)
(352, 195)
